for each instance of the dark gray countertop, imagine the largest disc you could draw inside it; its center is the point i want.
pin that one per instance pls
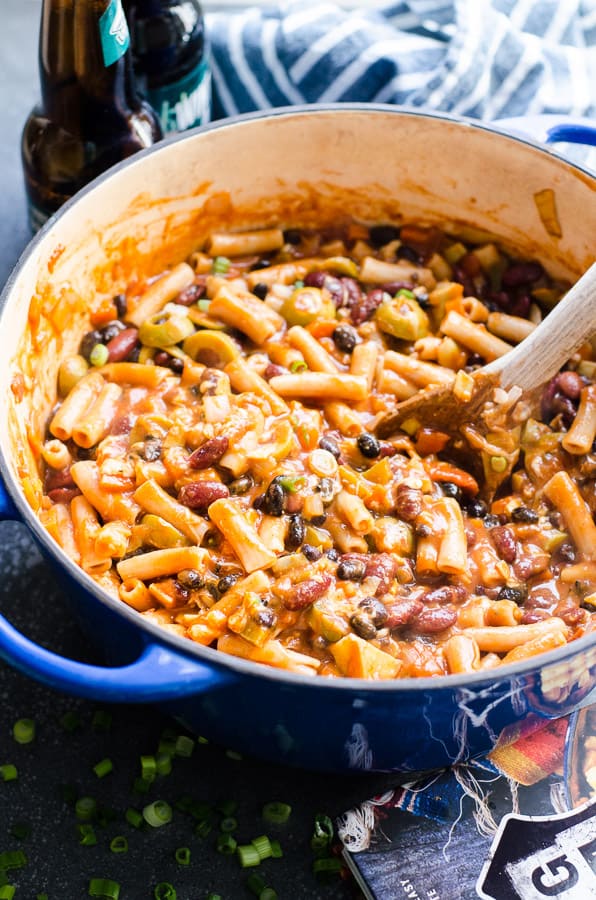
(29, 597)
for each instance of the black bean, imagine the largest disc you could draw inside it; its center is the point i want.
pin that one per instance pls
(312, 553)
(162, 358)
(112, 329)
(292, 236)
(406, 252)
(260, 290)
(422, 298)
(476, 509)
(523, 514)
(226, 582)
(259, 502)
(274, 499)
(351, 570)
(375, 609)
(266, 618)
(326, 488)
(190, 578)
(332, 554)
(517, 594)
(88, 342)
(261, 264)
(345, 338)
(492, 521)
(363, 626)
(296, 532)
(241, 485)
(382, 234)
(317, 521)
(368, 445)
(450, 489)
(151, 448)
(329, 444)
(121, 305)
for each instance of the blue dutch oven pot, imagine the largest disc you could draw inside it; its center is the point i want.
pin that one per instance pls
(404, 726)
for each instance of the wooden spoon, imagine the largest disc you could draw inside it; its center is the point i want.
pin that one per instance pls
(529, 365)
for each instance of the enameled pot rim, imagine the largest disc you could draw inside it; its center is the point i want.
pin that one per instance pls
(213, 657)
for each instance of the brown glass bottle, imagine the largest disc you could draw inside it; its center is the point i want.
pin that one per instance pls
(90, 115)
(171, 60)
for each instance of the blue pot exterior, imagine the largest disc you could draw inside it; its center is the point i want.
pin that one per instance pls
(318, 723)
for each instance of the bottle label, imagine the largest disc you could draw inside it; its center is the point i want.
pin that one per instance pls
(113, 31)
(184, 103)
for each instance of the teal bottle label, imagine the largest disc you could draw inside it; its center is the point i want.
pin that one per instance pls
(184, 103)
(113, 31)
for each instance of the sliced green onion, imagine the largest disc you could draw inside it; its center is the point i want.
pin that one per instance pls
(157, 814)
(133, 817)
(212, 896)
(262, 845)
(104, 887)
(20, 830)
(7, 891)
(292, 483)
(163, 763)
(99, 355)
(220, 265)
(140, 786)
(204, 304)
(184, 745)
(41, 897)
(328, 865)
(276, 851)
(87, 836)
(277, 812)
(202, 740)
(297, 366)
(12, 859)
(164, 891)
(85, 809)
(268, 894)
(226, 844)
(298, 284)
(256, 883)
(103, 767)
(23, 731)
(182, 856)
(167, 745)
(102, 720)
(227, 807)
(229, 824)
(322, 833)
(119, 844)
(8, 772)
(148, 768)
(70, 721)
(404, 292)
(248, 856)
(233, 754)
(203, 829)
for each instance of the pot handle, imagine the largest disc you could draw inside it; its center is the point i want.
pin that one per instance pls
(157, 674)
(551, 129)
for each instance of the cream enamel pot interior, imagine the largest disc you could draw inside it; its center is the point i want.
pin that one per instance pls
(295, 167)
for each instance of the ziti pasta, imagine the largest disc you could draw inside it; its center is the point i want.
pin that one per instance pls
(212, 459)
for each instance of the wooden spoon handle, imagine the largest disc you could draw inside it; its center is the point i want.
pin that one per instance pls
(549, 346)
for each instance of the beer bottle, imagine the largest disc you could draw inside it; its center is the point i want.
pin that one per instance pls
(171, 60)
(90, 115)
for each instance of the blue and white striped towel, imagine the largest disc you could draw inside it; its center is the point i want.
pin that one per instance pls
(482, 58)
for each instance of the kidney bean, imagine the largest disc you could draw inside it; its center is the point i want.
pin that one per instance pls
(408, 502)
(541, 596)
(522, 273)
(565, 407)
(315, 279)
(352, 292)
(566, 553)
(272, 370)
(546, 400)
(121, 345)
(209, 454)
(58, 478)
(526, 566)
(384, 567)
(328, 442)
(162, 358)
(571, 384)
(531, 616)
(392, 287)
(504, 541)
(63, 495)
(569, 611)
(402, 612)
(307, 592)
(199, 494)
(191, 294)
(448, 593)
(431, 621)
(368, 303)
(521, 306)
